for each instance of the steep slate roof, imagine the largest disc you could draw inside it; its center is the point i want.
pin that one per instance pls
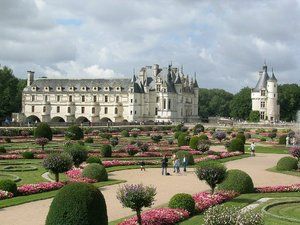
(273, 78)
(262, 82)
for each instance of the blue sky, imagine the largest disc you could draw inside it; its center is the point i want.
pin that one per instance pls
(225, 42)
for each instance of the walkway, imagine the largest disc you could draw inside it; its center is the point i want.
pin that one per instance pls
(35, 212)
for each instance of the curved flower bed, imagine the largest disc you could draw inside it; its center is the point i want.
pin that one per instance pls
(5, 194)
(75, 175)
(280, 188)
(28, 189)
(221, 155)
(163, 216)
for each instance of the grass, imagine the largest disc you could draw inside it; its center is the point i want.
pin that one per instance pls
(293, 172)
(271, 149)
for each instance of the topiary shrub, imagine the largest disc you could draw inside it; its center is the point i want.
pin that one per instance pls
(8, 185)
(238, 181)
(105, 136)
(95, 171)
(134, 134)
(74, 133)
(176, 134)
(89, 140)
(287, 163)
(203, 137)
(182, 201)
(242, 137)
(263, 139)
(156, 138)
(94, 159)
(236, 145)
(43, 130)
(183, 139)
(189, 157)
(194, 142)
(105, 151)
(282, 140)
(125, 133)
(77, 152)
(28, 155)
(2, 149)
(78, 204)
(198, 128)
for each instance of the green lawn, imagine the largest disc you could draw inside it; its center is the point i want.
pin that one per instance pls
(266, 149)
(293, 172)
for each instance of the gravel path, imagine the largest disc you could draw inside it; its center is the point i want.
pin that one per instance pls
(34, 213)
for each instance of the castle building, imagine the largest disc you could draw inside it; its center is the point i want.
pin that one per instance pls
(154, 94)
(265, 96)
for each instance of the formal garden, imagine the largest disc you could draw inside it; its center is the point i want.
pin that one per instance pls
(71, 164)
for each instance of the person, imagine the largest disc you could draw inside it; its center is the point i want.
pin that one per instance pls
(287, 141)
(294, 141)
(252, 149)
(184, 162)
(177, 165)
(173, 160)
(164, 165)
(143, 166)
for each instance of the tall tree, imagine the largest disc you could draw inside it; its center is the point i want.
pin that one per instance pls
(289, 101)
(10, 93)
(241, 104)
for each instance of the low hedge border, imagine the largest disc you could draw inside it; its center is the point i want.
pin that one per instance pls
(11, 177)
(18, 168)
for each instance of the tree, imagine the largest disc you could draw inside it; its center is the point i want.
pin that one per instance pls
(136, 196)
(58, 163)
(241, 104)
(10, 93)
(289, 101)
(212, 172)
(254, 116)
(42, 142)
(220, 135)
(78, 153)
(74, 133)
(43, 130)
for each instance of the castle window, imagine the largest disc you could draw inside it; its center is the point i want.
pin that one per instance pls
(274, 95)
(117, 99)
(69, 109)
(71, 88)
(32, 98)
(83, 88)
(46, 98)
(105, 110)
(105, 98)
(33, 88)
(262, 115)
(32, 108)
(93, 110)
(263, 93)
(116, 110)
(46, 88)
(165, 105)
(95, 98)
(83, 98)
(134, 112)
(70, 98)
(82, 109)
(95, 88)
(131, 100)
(58, 109)
(262, 104)
(131, 112)
(58, 88)
(157, 99)
(58, 98)
(169, 104)
(156, 111)
(44, 108)
(135, 100)
(158, 87)
(106, 88)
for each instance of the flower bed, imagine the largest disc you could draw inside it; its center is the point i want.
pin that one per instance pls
(28, 189)
(126, 163)
(5, 194)
(221, 155)
(75, 175)
(163, 216)
(280, 188)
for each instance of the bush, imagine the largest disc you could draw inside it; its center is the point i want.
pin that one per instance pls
(8, 185)
(183, 139)
(212, 172)
(189, 157)
(43, 130)
(287, 163)
(170, 141)
(203, 137)
(89, 140)
(105, 136)
(182, 201)
(238, 181)
(42, 142)
(254, 116)
(78, 204)
(184, 129)
(295, 152)
(156, 138)
(194, 142)
(203, 146)
(77, 152)
(131, 150)
(198, 128)
(114, 141)
(242, 137)
(282, 140)
(263, 139)
(247, 135)
(58, 163)
(105, 151)
(236, 145)
(272, 135)
(28, 155)
(94, 159)
(220, 135)
(74, 133)
(95, 171)
(125, 133)
(2, 149)
(144, 147)
(7, 140)
(134, 134)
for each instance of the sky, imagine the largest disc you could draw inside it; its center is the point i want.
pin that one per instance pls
(224, 42)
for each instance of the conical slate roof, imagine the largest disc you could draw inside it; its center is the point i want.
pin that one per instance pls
(262, 82)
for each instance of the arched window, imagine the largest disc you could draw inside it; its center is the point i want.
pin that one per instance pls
(116, 110)
(93, 110)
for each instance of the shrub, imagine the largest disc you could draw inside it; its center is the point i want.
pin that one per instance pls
(2, 149)
(183, 139)
(178, 127)
(8, 185)
(287, 163)
(242, 137)
(272, 135)
(28, 155)
(42, 142)
(94, 159)
(238, 181)
(131, 150)
(125, 133)
(78, 204)
(282, 140)
(74, 133)
(58, 163)
(254, 116)
(295, 152)
(247, 135)
(194, 142)
(156, 138)
(184, 129)
(95, 171)
(78, 153)
(220, 135)
(198, 128)
(135, 197)
(212, 172)
(170, 141)
(7, 140)
(176, 134)
(291, 134)
(182, 201)
(144, 147)
(236, 145)
(105, 151)
(263, 139)
(43, 130)
(203, 146)
(89, 140)
(203, 137)
(189, 157)
(134, 134)
(114, 141)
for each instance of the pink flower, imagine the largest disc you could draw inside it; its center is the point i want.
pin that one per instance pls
(280, 188)
(28, 189)
(5, 194)
(75, 175)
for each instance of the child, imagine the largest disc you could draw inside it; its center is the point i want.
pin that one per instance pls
(143, 166)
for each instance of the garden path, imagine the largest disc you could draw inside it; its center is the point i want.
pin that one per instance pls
(34, 213)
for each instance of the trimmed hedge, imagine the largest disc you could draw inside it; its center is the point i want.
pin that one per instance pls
(183, 139)
(182, 201)
(28, 155)
(74, 133)
(282, 140)
(194, 142)
(242, 137)
(43, 130)
(8, 185)
(236, 145)
(94, 159)
(125, 133)
(189, 157)
(78, 153)
(95, 171)
(287, 163)
(238, 181)
(78, 204)
(105, 151)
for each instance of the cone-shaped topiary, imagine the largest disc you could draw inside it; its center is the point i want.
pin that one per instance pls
(43, 130)
(182, 201)
(95, 171)
(78, 204)
(238, 181)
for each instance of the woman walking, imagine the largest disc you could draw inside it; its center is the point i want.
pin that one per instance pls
(164, 165)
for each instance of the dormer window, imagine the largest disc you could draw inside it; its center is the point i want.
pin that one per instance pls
(106, 89)
(33, 88)
(95, 88)
(118, 88)
(263, 93)
(58, 88)
(46, 88)
(71, 88)
(83, 88)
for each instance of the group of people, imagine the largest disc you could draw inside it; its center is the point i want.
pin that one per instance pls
(177, 162)
(290, 141)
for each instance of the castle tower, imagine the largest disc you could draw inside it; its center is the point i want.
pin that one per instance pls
(272, 107)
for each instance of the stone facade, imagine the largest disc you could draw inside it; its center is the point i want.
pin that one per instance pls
(265, 96)
(154, 94)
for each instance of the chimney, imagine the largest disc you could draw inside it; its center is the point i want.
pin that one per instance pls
(30, 77)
